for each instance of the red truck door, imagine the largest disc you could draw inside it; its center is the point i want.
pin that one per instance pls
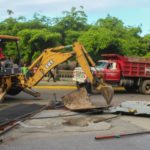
(112, 72)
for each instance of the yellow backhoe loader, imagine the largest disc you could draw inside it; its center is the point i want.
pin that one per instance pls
(13, 81)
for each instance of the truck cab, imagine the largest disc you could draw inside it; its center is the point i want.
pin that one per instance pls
(110, 71)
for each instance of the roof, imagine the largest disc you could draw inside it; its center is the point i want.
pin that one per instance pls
(8, 38)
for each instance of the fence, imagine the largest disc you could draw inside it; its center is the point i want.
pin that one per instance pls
(64, 75)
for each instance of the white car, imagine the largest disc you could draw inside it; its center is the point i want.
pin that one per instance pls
(80, 77)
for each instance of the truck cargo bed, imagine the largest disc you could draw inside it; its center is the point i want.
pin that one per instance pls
(131, 66)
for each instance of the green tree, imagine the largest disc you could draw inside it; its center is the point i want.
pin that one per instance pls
(7, 26)
(97, 40)
(73, 20)
(72, 36)
(146, 42)
(109, 35)
(34, 41)
(10, 12)
(111, 23)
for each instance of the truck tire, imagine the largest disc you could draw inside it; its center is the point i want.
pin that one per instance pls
(145, 87)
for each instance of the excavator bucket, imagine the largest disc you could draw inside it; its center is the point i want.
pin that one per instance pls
(78, 100)
(107, 93)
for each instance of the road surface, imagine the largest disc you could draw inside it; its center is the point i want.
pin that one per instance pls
(54, 134)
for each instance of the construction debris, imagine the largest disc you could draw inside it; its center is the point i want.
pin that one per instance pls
(132, 107)
(85, 121)
(29, 126)
(54, 103)
(79, 100)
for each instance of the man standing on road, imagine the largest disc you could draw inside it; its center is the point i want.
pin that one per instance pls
(25, 68)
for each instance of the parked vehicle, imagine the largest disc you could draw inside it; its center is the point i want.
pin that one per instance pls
(133, 73)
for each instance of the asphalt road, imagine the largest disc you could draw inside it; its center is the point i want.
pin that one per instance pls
(46, 95)
(80, 142)
(25, 139)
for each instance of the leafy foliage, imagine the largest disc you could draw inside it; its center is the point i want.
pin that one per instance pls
(108, 35)
(73, 21)
(96, 39)
(33, 41)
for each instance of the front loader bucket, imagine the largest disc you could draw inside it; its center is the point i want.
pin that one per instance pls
(78, 100)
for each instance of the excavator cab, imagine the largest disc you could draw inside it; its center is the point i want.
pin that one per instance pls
(9, 72)
(7, 66)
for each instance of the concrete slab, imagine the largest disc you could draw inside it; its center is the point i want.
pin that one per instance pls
(53, 127)
(142, 122)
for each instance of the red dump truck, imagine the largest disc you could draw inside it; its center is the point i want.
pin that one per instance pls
(133, 73)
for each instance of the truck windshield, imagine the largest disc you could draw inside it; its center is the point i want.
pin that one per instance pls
(101, 64)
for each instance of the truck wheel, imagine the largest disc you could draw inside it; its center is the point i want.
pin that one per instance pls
(145, 87)
(14, 91)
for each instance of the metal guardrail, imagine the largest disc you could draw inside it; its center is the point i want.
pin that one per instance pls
(65, 75)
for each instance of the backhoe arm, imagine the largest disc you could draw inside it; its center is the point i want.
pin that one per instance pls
(82, 57)
(55, 56)
(45, 62)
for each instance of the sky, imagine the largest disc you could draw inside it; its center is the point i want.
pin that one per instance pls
(132, 12)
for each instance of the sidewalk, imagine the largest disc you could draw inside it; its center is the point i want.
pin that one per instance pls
(64, 84)
(57, 83)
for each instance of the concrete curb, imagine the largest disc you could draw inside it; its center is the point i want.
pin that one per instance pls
(69, 86)
(64, 85)
(56, 87)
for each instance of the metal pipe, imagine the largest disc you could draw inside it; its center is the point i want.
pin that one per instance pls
(119, 135)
